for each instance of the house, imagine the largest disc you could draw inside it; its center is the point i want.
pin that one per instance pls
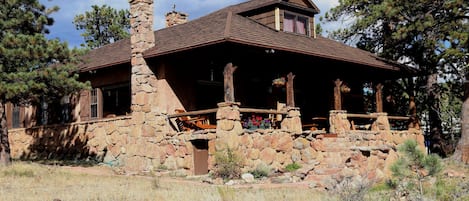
(278, 70)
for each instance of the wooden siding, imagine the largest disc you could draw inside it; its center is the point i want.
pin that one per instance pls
(267, 18)
(303, 3)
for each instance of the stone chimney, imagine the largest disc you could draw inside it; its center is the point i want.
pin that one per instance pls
(175, 18)
(143, 80)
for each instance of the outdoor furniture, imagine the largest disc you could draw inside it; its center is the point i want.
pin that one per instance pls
(187, 123)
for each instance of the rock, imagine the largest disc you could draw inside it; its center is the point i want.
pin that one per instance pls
(248, 177)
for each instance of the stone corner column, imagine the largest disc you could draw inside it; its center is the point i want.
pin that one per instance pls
(292, 121)
(381, 123)
(143, 80)
(228, 125)
(338, 122)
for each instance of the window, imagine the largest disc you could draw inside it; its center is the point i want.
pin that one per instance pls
(65, 109)
(116, 100)
(109, 101)
(16, 116)
(94, 103)
(295, 23)
(43, 113)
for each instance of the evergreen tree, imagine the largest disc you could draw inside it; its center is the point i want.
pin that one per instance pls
(412, 168)
(32, 67)
(429, 35)
(103, 25)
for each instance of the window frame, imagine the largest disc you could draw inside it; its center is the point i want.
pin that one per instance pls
(296, 18)
(16, 116)
(95, 103)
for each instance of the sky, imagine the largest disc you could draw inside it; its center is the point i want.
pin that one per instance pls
(64, 29)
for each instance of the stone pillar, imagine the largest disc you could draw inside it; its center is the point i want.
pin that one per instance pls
(143, 80)
(228, 126)
(338, 122)
(292, 121)
(381, 123)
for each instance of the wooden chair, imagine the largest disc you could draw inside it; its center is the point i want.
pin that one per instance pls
(187, 123)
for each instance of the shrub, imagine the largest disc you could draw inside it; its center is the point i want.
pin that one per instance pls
(292, 167)
(352, 189)
(227, 164)
(261, 170)
(411, 168)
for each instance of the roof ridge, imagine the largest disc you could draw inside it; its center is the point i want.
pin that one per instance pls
(226, 33)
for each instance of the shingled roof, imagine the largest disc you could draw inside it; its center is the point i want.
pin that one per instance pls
(226, 25)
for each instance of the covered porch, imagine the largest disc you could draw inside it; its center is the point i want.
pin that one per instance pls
(286, 115)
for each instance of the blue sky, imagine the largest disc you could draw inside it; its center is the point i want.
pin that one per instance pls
(64, 29)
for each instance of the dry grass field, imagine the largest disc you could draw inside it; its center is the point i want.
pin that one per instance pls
(28, 181)
(25, 181)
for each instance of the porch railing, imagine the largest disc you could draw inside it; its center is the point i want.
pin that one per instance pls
(193, 117)
(252, 118)
(396, 122)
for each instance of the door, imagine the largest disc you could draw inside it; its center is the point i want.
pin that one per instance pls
(200, 156)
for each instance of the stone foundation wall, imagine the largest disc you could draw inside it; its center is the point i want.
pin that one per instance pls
(117, 142)
(325, 158)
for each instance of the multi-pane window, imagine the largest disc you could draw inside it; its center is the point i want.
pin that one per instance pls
(116, 100)
(65, 109)
(295, 23)
(44, 114)
(94, 103)
(16, 116)
(109, 101)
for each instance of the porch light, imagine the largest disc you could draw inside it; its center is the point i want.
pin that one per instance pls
(269, 51)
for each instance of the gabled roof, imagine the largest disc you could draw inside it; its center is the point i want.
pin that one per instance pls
(226, 25)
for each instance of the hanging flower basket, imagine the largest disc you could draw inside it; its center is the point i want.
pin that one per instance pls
(344, 89)
(279, 82)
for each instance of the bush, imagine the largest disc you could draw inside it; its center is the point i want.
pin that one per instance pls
(292, 167)
(260, 171)
(352, 189)
(411, 169)
(227, 164)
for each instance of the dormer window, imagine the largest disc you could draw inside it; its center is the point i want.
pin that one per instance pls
(295, 23)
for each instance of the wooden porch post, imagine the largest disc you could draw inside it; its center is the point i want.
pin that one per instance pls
(379, 98)
(290, 90)
(292, 121)
(412, 107)
(228, 82)
(337, 95)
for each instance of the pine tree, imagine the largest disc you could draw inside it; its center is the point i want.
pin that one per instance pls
(432, 36)
(103, 25)
(32, 67)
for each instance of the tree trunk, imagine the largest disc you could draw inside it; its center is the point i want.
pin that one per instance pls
(437, 142)
(462, 151)
(5, 158)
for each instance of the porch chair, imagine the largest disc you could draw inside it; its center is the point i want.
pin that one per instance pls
(187, 123)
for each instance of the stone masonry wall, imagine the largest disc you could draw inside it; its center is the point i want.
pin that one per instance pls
(116, 142)
(325, 158)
